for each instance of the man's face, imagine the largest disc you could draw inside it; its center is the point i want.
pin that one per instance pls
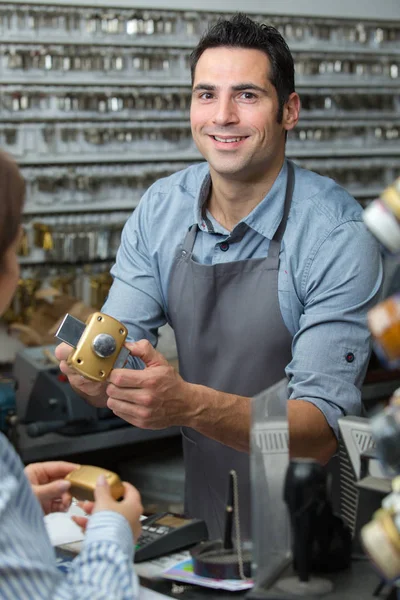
(234, 113)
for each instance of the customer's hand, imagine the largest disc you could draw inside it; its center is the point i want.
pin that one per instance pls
(49, 486)
(93, 390)
(129, 507)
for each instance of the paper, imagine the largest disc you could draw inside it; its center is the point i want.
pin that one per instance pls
(178, 566)
(154, 569)
(183, 572)
(62, 529)
(146, 594)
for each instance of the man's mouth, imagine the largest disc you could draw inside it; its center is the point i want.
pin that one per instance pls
(228, 140)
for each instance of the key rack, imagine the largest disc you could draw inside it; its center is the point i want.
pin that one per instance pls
(94, 105)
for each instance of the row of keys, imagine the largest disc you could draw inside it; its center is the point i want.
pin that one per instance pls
(86, 59)
(174, 62)
(106, 185)
(89, 283)
(127, 24)
(172, 102)
(73, 239)
(30, 140)
(69, 187)
(56, 139)
(56, 101)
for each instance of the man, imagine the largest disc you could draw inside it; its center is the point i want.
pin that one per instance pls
(259, 266)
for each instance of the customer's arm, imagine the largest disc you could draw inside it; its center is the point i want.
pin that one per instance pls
(103, 570)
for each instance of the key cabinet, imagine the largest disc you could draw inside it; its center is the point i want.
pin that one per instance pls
(94, 105)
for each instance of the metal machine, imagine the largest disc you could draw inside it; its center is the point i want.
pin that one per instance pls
(53, 421)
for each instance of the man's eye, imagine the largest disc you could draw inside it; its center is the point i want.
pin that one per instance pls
(248, 96)
(206, 96)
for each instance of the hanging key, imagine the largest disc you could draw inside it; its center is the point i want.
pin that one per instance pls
(43, 237)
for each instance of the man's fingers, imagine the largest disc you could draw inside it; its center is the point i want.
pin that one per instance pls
(128, 408)
(128, 394)
(63, 351)
(134, 379)
(145, 351)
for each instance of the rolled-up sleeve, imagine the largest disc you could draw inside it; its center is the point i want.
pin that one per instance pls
(331, 348)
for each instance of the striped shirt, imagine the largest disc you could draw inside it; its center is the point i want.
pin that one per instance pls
(28, 571)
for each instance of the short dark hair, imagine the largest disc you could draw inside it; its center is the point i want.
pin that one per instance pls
(242, 32)
(12, 194)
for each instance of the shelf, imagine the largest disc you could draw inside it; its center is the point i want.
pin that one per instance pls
(184, 43)
(41, 79)
(347, 82)
(149, 41)
(79, 159)
(108, 206)
(81, 118)
(329, 151)
(341, 9)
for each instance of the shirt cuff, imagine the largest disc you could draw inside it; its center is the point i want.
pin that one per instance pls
(110, 526)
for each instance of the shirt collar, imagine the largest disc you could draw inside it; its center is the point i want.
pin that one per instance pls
(264, 218)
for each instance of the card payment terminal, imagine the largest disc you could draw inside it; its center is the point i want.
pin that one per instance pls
(165, 533)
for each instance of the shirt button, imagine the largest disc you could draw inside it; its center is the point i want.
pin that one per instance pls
(224, 246)
(350, 357)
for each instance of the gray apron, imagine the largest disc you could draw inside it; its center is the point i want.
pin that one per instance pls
(231, 337)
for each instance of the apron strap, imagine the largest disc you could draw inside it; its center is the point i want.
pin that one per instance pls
(190, 239)
(275, 244)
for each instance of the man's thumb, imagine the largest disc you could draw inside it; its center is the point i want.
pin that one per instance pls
(145, 351)
(52, 490)
(102, 489)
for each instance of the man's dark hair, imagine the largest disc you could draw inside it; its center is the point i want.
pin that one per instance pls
(242, 32)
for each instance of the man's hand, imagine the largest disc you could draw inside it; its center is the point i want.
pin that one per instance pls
(129, 507)
(92, 391)
(152, 398)
(49, 486)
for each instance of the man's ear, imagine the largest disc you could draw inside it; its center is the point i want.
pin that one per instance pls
(291, 111)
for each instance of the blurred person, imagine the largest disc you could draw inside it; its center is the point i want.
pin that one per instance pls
(104, 567)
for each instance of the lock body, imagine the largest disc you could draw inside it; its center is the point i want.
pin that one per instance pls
(98, 345)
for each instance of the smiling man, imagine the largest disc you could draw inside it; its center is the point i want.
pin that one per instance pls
(259, 266)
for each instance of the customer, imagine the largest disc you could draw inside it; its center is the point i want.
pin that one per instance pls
(28, 571)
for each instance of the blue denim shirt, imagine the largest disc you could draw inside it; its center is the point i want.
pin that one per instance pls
(330, 273)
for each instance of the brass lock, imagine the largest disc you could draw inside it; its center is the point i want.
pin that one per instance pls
(98, 344)
(83, 482)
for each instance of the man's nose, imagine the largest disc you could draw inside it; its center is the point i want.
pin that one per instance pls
(225, 112)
